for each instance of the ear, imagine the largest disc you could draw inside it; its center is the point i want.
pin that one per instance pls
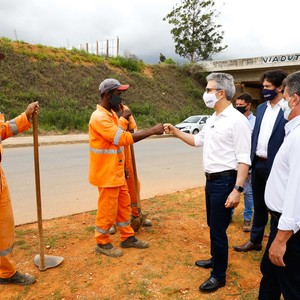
(296, 100)
(280, 89)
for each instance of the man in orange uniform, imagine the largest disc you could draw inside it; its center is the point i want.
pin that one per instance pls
(106, 171)
(129, 125)
(8, 272)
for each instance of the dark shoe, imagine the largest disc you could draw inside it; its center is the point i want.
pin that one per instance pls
(207, 263)
(133, 242)
(211, 284)
(247, 226)
(19, 279)
(109, 250)
(248, 246)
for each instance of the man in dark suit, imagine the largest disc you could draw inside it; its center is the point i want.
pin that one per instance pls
(267, 137)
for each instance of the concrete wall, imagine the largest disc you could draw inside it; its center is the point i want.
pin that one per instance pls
(247, 71)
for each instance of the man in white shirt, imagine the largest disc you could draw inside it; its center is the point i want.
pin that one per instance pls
(226, 158)
(281, 261)
(267, 137)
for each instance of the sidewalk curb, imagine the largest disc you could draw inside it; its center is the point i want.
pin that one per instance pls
(16, 142)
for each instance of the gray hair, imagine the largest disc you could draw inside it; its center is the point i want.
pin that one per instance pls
(224, 82)
(292, 81)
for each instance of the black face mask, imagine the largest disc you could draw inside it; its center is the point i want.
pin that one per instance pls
(241, 109)
(115, 101)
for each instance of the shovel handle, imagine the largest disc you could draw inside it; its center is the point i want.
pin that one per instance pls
(38, 188)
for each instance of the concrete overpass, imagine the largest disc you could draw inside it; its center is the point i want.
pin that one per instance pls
(247, 71)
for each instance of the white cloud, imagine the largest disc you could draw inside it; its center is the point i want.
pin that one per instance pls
(252, 28)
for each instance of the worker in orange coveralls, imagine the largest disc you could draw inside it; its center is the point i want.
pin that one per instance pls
(106, 170)
(129, 125)
(8, 272)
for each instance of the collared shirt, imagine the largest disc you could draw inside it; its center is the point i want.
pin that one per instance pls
(226, 141)
(266, 128)
(251, 120)
(283, 185)
(107, 143)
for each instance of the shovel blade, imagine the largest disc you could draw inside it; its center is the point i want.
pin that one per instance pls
(138, 222)
(49, 261)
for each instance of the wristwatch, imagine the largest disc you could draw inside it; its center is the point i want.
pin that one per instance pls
(239, 188)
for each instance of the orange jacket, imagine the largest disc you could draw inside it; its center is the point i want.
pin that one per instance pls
(107, 143)
(9, 129)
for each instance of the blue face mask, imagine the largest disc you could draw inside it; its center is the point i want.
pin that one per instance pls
(269, 95)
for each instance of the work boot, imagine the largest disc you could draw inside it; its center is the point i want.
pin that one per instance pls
(112, 230)
(247, 226)
(19, 279)
(133, 242)
(147, 223)
(109, 250)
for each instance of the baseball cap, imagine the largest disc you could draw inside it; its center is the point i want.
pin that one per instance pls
(1, 56)
(111, 84)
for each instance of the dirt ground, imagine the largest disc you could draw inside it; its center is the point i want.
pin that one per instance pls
(166, 270)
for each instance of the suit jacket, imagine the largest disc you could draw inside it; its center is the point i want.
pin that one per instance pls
(276, 137)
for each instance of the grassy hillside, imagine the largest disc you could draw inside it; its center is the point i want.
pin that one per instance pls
(66, 85)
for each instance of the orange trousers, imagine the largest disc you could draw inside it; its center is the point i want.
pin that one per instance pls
(113, 208)
(7, 266)
(132, 193)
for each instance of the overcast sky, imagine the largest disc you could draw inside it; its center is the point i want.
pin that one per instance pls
(252, 27)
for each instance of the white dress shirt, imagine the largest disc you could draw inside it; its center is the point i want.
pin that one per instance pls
(266, 128)
(226, 141)
(283, 186)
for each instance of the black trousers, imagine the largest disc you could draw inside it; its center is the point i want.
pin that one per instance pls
(281, 280)
(218, 219)
(260, 174)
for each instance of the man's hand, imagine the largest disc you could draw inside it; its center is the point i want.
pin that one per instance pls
(276, 253)
(158, 129)
(126, 114)
(31, 109)
(169, 128)
(233, 199)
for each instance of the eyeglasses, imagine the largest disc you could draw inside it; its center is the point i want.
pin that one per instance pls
(208, 90)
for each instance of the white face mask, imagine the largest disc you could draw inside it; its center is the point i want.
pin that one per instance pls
(210, 99)
(287, 110)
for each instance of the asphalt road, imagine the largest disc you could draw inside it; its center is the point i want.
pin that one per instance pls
(164, 165)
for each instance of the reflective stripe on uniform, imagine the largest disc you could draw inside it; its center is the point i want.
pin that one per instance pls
(101, 230)
(6, 251)
(123, 224)
(133, 204)
(13, 127)
(107, 151)
(118, 136)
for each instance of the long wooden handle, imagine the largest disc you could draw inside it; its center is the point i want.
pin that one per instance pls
(136, 181)
(38, 188)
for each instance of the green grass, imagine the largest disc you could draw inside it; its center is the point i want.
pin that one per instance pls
(66, 82)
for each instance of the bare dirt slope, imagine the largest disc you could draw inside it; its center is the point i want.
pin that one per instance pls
(166, 270)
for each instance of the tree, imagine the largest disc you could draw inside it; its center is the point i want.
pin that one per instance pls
(195, 34)
(162, 58)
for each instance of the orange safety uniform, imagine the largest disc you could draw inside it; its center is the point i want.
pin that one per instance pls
(7, 266)
(106, 171)
(130, 125)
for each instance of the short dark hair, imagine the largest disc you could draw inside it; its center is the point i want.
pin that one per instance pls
(246, 97)
(275, 77)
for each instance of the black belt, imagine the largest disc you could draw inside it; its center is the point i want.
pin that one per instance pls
(217, 175)
(276, 215)
(261, 158)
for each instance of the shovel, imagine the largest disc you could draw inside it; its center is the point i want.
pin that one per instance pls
(42, 261)
(138, 221)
